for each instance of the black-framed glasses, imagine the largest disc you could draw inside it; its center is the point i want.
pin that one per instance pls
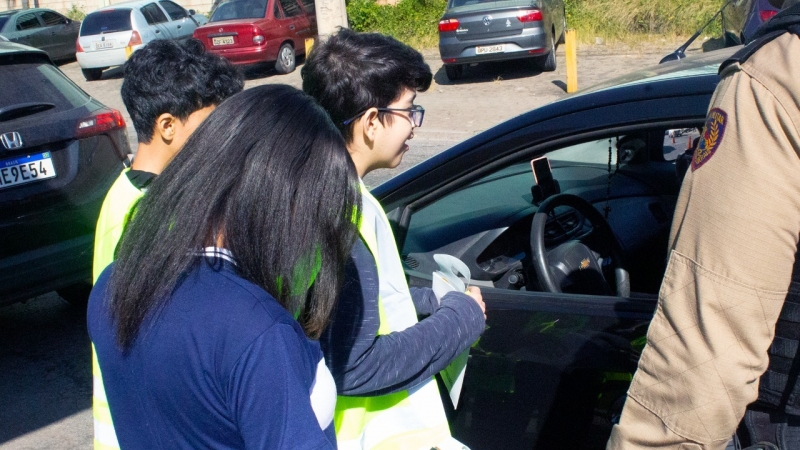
(416, 113)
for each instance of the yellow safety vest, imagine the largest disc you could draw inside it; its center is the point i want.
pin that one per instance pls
(113, 215)
(412, 419)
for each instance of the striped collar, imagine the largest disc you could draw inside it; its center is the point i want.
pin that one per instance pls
(217, 252)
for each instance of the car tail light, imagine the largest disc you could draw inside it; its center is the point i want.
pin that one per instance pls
(258, 39)
(766, 15)
(449, 60)
(135, 39)
(102, 121)
(530, 16)
(78, 48)
(448, 25)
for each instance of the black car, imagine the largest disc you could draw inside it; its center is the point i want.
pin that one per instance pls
(569, 251)
(60, 150)
(741, 18)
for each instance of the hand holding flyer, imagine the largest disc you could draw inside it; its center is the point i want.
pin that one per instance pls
(445, 280)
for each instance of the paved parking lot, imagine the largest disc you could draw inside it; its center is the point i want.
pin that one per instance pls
(45, 381)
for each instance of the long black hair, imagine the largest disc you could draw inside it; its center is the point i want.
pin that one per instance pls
(268, 174)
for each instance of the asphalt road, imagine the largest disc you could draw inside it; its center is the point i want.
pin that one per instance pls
(45, 367)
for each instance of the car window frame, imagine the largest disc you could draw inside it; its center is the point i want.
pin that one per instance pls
(34, 15)
(183, 11)
(147, 15)
(61, 19)
(297, 5)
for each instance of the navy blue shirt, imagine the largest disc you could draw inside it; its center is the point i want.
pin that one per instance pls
(221, 366)
(364, 363)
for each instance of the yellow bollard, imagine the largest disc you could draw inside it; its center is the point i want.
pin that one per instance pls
(309, 45)
(572, 60)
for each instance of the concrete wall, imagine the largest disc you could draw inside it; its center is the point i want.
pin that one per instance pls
(87, 6)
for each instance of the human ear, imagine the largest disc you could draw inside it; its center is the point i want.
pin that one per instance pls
(166, 127)
(370, 123)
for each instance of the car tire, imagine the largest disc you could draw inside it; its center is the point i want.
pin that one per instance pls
(563, 38)
(286, 59)
(454, 72)
(92, 74)
(547, 63)
(76, 294)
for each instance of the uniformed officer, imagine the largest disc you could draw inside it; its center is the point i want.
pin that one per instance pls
(733, 246)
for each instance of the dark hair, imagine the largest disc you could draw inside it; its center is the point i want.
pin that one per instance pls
(269, 173)
(352, 72)
(176, 78)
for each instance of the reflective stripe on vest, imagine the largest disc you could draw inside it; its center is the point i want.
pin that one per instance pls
(412, 419)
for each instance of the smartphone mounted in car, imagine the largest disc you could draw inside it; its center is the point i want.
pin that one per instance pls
(546, 186)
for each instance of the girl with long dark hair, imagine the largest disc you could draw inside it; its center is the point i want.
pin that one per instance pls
(246, 230)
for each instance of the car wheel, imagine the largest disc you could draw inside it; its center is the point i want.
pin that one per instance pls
(454, 72)
(76, 294)
(92, 74)
(547, 63)
(286, 61)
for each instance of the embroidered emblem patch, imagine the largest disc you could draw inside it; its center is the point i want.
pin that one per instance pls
(716, 122)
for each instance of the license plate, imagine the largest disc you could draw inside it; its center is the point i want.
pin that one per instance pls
(26, 169)
(490, 49)
(225, 40)
(103, 44)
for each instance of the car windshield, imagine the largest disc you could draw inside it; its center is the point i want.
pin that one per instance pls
(108, 21)
(239, 9)
(35, 81)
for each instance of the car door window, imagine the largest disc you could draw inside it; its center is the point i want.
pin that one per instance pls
(176, 12)
(52, 19)
(153, 14)
(291, 8)
(276, 11)
(309, 6)
(27, 22)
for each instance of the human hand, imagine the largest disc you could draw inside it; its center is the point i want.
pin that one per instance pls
(475, 293)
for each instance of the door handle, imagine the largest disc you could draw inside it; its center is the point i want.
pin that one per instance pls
(291, 27)
(158, 31)
(179, 27)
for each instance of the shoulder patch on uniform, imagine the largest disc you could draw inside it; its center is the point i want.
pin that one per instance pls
(716, 122)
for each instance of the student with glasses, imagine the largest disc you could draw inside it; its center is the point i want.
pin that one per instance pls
(381, 356)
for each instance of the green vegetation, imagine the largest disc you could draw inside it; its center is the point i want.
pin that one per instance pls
(415, 21)
(75, 13)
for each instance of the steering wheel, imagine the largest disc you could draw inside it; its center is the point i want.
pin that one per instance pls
(574, 264)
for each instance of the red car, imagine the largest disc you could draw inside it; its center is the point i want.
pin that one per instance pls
(256, 31)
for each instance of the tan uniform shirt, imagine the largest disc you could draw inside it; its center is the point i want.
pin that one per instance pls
(732, 246)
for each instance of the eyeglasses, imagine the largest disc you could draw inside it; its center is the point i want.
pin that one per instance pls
(416, 114)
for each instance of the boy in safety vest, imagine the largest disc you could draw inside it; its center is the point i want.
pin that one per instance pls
(169, 89)
(382, 358)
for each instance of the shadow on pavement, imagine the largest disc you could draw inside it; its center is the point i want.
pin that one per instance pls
(491, 71)
(45, 357)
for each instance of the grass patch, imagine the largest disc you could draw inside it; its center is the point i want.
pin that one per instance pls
(625, 21)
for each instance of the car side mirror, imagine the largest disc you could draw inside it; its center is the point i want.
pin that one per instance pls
(192, 12)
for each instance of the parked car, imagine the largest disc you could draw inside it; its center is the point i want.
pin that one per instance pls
(475, 31)
(561, 345)
(257, 31)
(110, 35)
(742, 18)
(60, 151)
(41, 28)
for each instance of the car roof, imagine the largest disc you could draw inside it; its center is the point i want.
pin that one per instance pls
(18, 11)
(137, 4)
(692, 77)
(9, 48)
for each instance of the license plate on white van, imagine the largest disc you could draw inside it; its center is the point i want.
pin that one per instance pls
(490, 49)
(224, 40)
(26, 169)
(102, 45)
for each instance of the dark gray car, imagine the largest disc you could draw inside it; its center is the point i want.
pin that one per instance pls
(474, 31)
(41, 28)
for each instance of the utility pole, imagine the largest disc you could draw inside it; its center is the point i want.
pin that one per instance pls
(331, 14)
